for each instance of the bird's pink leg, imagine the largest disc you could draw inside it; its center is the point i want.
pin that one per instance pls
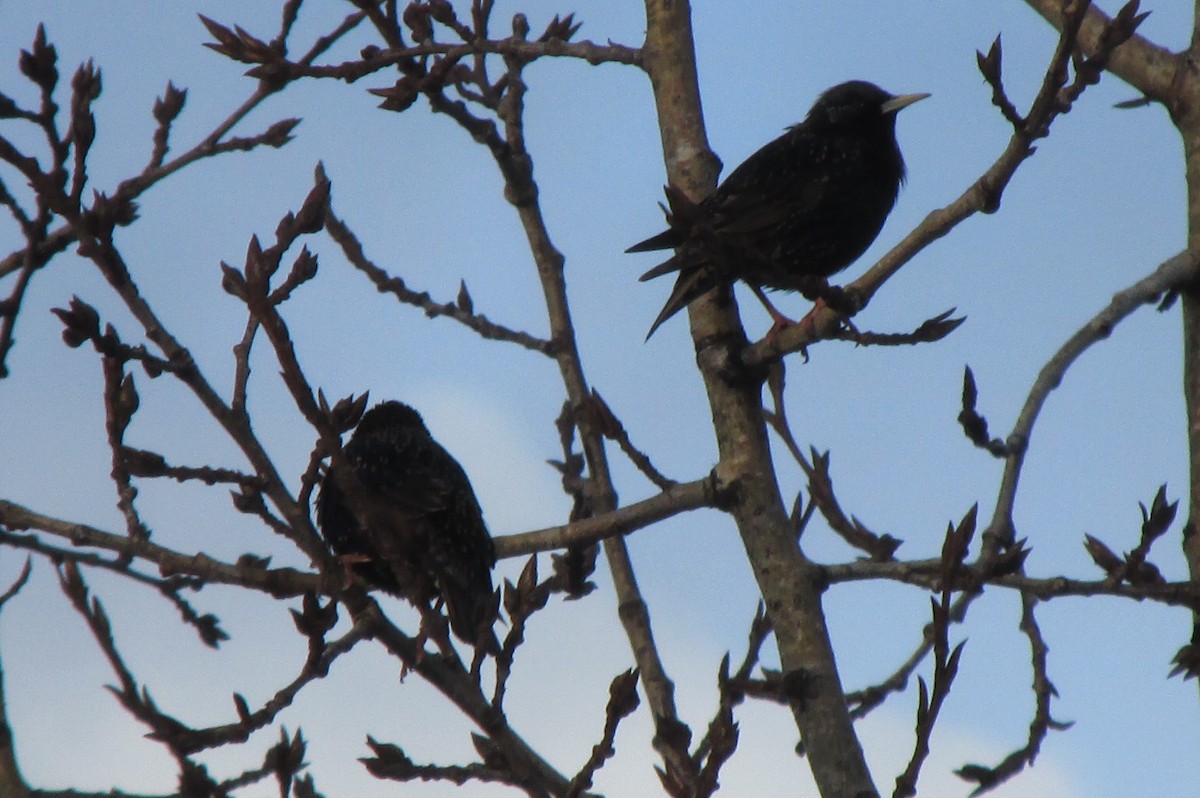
(809, 323)
(780, 321)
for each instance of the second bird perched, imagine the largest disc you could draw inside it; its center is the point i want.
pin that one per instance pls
(400, 511)
(805, 205)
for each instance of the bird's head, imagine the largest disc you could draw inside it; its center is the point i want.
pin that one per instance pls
(389, 416)
(858, 103)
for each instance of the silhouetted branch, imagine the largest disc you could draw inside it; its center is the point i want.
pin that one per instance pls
(1134, 567)
(151, 465)
(820, 484)
(999, 562)
(974, 425)
(987, 778)
(955, 545)
(12, 784)
(521, 601)
(252, 720)
(59, 186)
(1186, 661)
(610, 427)
(721, 738)
(929, 703)
(207, 626)
(515, 47)
(509, 758)
(1141, 63)
(929, 331)
(10, 307)
(868, 698)
(622, 701)
(165, 729)
(926, 574)
(120, 403)
(252, 286)
(391, 763)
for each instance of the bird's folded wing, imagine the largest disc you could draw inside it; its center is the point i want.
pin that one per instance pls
(420, 485)
(741, 212)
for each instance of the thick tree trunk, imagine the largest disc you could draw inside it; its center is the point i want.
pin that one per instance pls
(786, 579)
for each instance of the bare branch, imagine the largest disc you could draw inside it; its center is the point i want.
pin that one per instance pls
(929, 331)
(974, 425)
(676, 499)
(990, 777)
(395, 286)
(11, 782)
(820, 484)
(279, 582)
(1174, 272)
(927, 574)
(929, 703)
(1141, 63)
(622, 701)
(612, 428)
(515, 47)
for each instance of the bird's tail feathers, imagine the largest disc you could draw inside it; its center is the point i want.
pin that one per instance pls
(672, 264)
(683, 215)
(667, 239)
(471, 615)
(692, 283)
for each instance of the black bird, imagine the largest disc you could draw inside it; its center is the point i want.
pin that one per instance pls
(401, 513)
(805, 205)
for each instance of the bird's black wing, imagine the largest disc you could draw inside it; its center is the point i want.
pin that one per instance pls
(460, 549)
(779, 182)
(346, 535)
(413, 473)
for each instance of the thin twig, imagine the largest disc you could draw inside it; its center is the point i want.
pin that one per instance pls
(926, 574)
(387, 283)
(988, 778)
(524, 50)
(12, 784)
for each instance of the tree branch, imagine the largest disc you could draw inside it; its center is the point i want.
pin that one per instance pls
(675, 499)
(1170, 275)
(278, 582)
(12, 784)
(786, 579)
(461, 311)
(1139, 62)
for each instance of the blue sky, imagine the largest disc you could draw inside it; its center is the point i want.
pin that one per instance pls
(1099, 206)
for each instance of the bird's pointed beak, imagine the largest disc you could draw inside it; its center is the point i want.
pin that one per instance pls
(903, 101)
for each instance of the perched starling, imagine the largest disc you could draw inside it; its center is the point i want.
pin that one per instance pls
(806, 205)
(398, 508)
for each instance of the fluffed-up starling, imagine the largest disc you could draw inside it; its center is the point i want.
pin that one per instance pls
(400, 511)
(806, 205)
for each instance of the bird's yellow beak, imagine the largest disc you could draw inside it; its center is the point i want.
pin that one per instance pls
(903, 101)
